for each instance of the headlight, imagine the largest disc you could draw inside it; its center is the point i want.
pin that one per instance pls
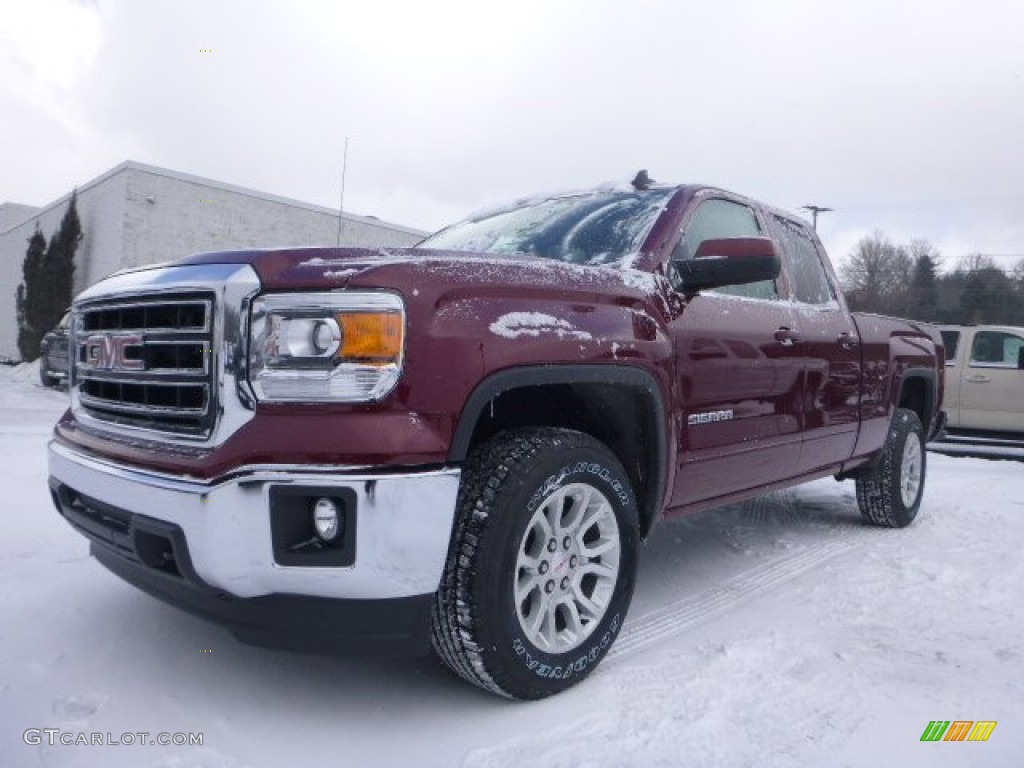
(325, 346)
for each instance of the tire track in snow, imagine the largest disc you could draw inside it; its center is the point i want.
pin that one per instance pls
(692, 611)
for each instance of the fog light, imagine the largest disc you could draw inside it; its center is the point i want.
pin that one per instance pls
(326, 519)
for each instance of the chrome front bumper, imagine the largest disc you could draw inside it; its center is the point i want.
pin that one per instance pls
(404, 524)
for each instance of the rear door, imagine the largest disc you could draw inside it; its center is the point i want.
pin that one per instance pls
(992, 385)
(829, 347)
(738, 371)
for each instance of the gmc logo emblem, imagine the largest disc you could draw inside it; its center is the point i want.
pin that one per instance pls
(106, 352)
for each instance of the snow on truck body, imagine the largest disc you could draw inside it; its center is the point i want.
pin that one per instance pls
(461, 444)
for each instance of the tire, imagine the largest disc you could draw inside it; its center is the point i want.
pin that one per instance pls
(512, 615)
(889, 495)
(45, 378)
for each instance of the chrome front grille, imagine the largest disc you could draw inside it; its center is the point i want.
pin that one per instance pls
(147, 362)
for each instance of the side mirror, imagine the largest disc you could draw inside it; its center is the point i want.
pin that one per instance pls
(728, 261)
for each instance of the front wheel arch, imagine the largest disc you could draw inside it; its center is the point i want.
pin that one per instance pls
(638, 435)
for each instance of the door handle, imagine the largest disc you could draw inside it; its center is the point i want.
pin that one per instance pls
(978, 379)
(847, 340)
(786, 336)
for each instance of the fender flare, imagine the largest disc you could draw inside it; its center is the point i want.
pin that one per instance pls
(931, 389)
(633, 377)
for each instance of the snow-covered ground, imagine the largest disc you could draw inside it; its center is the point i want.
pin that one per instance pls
(780, 632)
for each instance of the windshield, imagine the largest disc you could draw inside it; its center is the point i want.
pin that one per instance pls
(602, 227)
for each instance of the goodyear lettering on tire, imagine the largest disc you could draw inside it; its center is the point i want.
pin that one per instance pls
(574, 667)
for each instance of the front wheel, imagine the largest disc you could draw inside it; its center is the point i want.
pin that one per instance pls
(542, 563)
(889, 495)
(44, 373)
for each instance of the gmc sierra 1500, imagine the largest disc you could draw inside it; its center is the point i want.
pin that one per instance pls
(462, 444)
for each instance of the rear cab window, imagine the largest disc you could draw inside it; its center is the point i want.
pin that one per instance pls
(810, 282)
(951, 341)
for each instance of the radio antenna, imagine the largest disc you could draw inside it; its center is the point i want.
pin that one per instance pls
(341, 204)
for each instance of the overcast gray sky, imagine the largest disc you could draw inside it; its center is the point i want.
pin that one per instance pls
(906, 117)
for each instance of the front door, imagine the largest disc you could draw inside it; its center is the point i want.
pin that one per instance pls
(992, 386)
(739, 374)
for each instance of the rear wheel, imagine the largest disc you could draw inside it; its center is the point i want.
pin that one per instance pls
(541, 566)
(889, 495)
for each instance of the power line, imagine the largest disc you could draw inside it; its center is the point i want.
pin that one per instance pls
(965, 203)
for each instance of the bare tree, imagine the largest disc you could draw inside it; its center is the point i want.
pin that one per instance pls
(906, 280)
(1018, 274)
(975, 262)
(877, 276)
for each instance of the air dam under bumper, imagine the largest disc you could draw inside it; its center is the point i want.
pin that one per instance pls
(211, 548)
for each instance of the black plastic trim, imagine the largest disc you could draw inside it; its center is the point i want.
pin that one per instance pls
(153, 555)
(126, 534)
(292, 533)
(541, 375)
(931, 426)
(398, 627)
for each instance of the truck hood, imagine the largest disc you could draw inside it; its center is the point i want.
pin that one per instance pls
(413, 272)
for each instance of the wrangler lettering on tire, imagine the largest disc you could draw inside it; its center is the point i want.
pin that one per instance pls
(542, 563)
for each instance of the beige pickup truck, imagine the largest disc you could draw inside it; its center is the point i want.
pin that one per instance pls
(984, 377)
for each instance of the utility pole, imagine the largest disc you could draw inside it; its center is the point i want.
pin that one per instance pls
(341, 204)
(815, 210)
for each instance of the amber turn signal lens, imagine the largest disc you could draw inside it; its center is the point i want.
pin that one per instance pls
(372, 336)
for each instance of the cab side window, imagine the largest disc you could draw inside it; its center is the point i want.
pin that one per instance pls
(807, 273)
(996, 348)
(718, 218)
(950, 340)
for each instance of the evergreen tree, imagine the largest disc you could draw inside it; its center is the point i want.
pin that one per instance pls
(49, 275)
(924, 287)
(59, 264)
(989, 298)
(950, 289)
(27, 297)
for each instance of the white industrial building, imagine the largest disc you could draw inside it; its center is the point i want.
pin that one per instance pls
(137, 214)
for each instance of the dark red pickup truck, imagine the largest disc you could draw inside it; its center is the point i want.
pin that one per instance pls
(462, 444)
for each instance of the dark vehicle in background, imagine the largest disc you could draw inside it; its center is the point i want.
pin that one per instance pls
(53, 354)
